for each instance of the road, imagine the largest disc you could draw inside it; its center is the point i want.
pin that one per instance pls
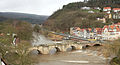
(69, 36)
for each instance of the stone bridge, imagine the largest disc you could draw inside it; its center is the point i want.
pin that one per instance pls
(45, 49)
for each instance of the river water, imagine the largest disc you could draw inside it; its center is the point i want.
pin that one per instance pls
(78, 57)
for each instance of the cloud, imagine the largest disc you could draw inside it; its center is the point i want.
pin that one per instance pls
(40, 7)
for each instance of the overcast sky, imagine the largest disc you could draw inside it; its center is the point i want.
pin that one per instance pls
(40, 7)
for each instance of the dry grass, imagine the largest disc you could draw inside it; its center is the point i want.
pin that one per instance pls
(108, 49)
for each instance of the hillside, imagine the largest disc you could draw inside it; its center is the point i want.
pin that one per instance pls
(32, 18)
(63, 20)
(93, 3)
(71, 15)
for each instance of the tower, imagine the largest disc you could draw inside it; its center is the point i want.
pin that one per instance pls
(85, 1)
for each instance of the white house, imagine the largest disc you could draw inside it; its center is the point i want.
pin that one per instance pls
(98, 8)
(116, 9)
(102, 19)
(85, 8)
(91, 12)
(107, 9)
(76, 31)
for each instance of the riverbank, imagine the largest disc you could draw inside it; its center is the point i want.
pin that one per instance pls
(100, 51)
(77, 57)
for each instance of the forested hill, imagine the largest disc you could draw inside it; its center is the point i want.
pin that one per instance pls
(32, 18)
(71, 15)
(93, 3)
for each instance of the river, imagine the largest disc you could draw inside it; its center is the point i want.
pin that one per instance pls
(77, 57)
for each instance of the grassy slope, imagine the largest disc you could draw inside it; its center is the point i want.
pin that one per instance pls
(63, 19)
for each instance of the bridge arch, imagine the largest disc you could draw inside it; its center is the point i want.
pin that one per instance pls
(35, 51)
(39, 52)
(97, 45)
(57, 49)
(54, 50)
(85, 46)
(70, 48)
(73, 47)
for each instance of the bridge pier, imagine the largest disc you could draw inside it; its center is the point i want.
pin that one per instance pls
(45, 50)
(58, 47)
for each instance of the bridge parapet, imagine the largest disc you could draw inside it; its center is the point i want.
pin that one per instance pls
(45, 49)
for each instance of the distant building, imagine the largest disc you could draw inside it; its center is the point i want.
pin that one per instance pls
(85, 8)
(116, 15)
(108, 32)
(76, 31)
(111, 32)
(109, 16)
(91, 12)
(116, 9)
(97, 8)
(107, 1)
(102, 19)
(98, 32)
(107, 10)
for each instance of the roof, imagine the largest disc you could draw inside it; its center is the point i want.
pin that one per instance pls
(106, 26)
(77, 28)
(117, 23)
(98, 29)
(112, 27)
(116, 8)
(89, 29)
(107, 8)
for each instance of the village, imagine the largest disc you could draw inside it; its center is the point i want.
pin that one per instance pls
(108, 32)
(65, 32)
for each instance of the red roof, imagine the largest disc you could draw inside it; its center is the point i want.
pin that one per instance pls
(89, 29)
(106, 26)
(77, 28)
(99, 30)
(82, 30)
(112, 27)
(117, 23)
(107, 8)
(116, 8)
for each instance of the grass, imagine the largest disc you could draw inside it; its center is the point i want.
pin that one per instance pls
(94, 10)
(113, 51)
(17, 55)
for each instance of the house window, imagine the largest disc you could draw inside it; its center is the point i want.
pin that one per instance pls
(112, 33)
